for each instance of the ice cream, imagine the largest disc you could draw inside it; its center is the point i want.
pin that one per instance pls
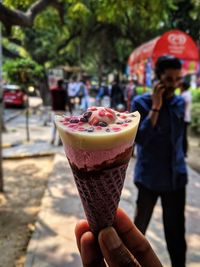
(98, 145)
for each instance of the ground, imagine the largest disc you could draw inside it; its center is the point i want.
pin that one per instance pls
(25, 182)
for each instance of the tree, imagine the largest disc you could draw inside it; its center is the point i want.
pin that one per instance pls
(10, 17)
(98, 35)
(186, 17)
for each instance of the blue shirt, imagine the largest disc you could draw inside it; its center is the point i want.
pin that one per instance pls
(160, 164)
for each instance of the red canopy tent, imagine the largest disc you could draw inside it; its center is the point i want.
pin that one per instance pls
(173, 42)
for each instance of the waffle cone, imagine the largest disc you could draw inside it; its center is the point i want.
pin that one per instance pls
(100, 193)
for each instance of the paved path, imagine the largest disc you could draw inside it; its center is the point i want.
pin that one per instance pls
(53, 243)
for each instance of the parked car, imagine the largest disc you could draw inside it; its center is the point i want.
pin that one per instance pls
(14, 95)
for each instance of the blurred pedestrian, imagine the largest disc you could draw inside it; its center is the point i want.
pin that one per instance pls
(187, 96)
(58, 101)
(103, 96)
(160, 169)
(72, 90)
(83, 94)
(130, 93)
(117, 95)
(68, 102)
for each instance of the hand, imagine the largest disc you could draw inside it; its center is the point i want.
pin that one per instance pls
(121, 246)
(157, 96)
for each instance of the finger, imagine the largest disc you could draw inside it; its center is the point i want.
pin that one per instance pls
(90, 252)
(135, 241)
(159, 89)
(114, 251)
(81, 227)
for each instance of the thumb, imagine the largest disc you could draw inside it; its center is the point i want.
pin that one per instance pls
(114, 251)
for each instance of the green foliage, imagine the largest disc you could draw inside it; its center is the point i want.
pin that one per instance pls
(99, 35)
(196, 95)
(195, 123)
(18, 4)
(141, 90)
(186, 17)
(23, 72)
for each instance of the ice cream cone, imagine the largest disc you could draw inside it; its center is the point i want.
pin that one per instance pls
(99, 159)
(100, 194)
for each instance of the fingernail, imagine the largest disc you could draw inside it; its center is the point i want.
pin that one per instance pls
(110, 238)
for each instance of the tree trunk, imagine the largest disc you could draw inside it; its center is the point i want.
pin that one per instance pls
(1, 115)
(1, 130)
(44, 91)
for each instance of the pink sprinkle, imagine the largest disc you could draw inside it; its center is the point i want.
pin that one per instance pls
(72, 125)
(101, 113)
(109, 115)
(81, 129)
(80, 123)
(123, 116)
(98, 127)
(65, 123)
(125, 124)
(116, 129)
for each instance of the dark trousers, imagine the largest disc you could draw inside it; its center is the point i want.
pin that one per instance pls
(185, 140)
(173, 206)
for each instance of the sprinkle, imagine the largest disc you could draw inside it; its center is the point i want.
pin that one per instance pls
(83, 119)
(116, 129)
(90, 130)
(94, 121)
(98, 127)
(65, 123)
(80, 123)
(119, 122)
(107, 130)
(125, 124)
(132, 115)
(87, 115)
(123, 116)
(74, 120)
(118, 114)
(102, 124)
(109, 115)
(81, 129)
(101, 113)
(127, 121)
(72, 125)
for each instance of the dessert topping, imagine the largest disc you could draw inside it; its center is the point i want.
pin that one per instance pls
(98, 119)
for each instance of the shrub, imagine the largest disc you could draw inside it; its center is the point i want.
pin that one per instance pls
(195, 123)
(196, 95)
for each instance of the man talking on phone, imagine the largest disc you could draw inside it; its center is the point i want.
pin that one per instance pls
(160, 169)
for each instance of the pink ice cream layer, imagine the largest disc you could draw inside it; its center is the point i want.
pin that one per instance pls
(90, 159)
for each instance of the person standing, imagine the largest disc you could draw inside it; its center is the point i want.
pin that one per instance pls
(187, 96)
(117, 96)
(83, 94)
(130, 93)
(72, 90)
(58, 101)
(160, 169)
